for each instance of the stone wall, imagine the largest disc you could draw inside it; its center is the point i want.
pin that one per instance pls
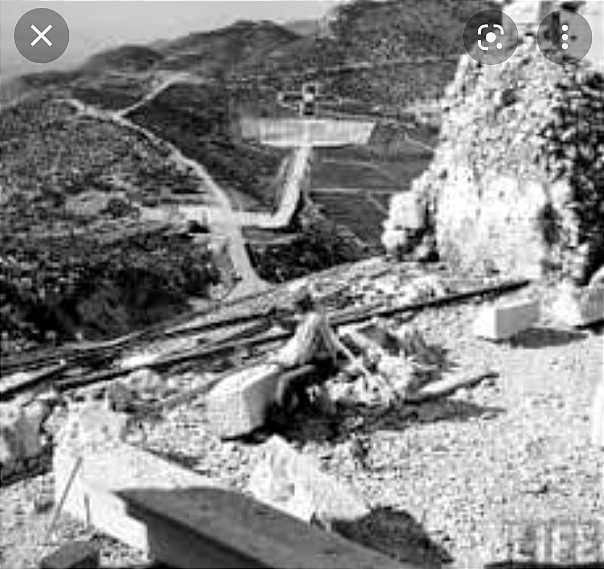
(517, 182)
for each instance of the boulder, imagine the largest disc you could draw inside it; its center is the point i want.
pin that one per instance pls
(579, 306)
(89, 427)
(598, 277)
(294, 483)
(119, 396)
(20, 430)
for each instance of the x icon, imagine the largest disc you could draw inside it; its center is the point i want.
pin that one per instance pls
(41, 35)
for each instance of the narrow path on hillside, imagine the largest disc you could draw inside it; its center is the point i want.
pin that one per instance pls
(172, 79)
(221, 218)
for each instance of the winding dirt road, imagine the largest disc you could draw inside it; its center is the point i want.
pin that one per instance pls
(221, 218)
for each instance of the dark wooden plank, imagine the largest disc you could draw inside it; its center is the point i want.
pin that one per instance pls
(213, 527)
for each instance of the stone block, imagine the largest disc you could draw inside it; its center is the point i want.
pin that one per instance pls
(504, 320)
(295, 484)
(579, 307)
(183, 519)
(240, 402)
(94, 495)
(72, 555)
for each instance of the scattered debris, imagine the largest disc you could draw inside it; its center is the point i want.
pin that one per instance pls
(295, 484)
(400, 363)
(502, 321)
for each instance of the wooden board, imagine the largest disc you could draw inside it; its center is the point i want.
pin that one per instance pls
(186, 520)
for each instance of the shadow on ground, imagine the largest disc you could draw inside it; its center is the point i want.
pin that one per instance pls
(187, 527)
(541, 337)
(311, 425)
(183, 459)
(398, 534)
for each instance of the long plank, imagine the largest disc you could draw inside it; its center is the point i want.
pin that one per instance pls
(338, 319)
(185, 520)
(448, 385)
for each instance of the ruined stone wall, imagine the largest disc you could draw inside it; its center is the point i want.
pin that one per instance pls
(517, 182)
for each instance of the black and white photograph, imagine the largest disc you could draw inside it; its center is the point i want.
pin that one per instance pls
(302, 284)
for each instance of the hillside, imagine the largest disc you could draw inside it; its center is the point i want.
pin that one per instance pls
(516, 183)
(90, 171)
(72, 193)
(197, 119)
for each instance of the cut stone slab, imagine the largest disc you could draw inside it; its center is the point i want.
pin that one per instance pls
(93, 495)
(504, 320)
(579, 307)
(186, 520)
(239, 403)
(72, 555)
(294, 483)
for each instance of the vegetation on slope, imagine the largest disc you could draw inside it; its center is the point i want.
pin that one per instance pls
(71, 191)
(197, 120)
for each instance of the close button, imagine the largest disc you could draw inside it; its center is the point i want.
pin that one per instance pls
(41, 35)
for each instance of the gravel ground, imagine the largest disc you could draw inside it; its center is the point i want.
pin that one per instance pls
(442, 477)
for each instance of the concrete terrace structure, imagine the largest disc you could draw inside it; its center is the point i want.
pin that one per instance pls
(306, 132)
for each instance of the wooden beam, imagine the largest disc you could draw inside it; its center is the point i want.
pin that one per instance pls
(339, 318)
(451, 382)
(186, 520)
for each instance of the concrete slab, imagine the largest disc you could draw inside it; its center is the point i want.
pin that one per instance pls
(185, 520)
(94, 494)
(503, 320)
(307, 132)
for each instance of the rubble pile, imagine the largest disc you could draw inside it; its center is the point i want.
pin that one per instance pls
(402, 288)
(516, 182)
(399, 362)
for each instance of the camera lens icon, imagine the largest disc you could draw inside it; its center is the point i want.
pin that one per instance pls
(490, 37)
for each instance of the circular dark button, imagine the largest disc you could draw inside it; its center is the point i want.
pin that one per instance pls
(41, 35)
(490, 37)
(564, 36)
